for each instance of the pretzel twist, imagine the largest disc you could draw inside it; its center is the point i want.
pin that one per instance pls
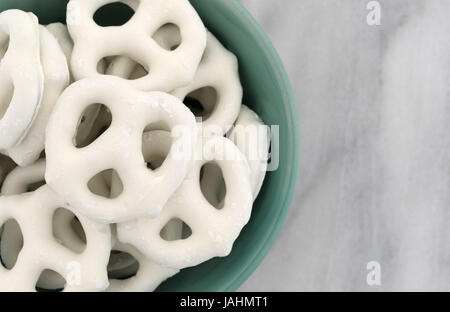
(34, 214)
(134, 40)
(208, 239)
(69, 168)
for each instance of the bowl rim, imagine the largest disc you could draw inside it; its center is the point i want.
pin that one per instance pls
(278, 222)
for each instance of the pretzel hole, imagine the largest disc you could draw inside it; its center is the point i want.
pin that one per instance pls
(113, 14)
(124, 67)
(6, 166)
(139, 72)
(112, 184)
(6, 96)
(50, 281)
(156, 147)
(202, 102)
(77, 228)
(175, 229)
(11, 243)
(160, 125)
(122, 265)
(4, 45)
(68, 231)
(34, 186)
(94, 121)
(100, 184)
(155, 161)
(102, 66)
(168, 37)
(212, 184)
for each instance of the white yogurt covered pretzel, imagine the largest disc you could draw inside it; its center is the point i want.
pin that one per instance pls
(167, 69)
(218, 70)
(213, 231)
(21, 76)
(34, 214)
(156, 146)
(56, 79)
(69, 168)
(149, 274)
(25, 179)
(19, 182)
(251, 136)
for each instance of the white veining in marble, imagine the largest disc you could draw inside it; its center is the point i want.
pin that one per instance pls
(374, 109)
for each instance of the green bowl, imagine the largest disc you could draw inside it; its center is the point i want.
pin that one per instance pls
(267, 91)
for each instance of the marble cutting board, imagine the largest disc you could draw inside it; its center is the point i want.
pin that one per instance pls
(374, 109)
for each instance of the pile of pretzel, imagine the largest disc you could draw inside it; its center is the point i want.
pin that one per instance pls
(126, 150)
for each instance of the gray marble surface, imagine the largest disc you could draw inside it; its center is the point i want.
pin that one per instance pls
(374, 109)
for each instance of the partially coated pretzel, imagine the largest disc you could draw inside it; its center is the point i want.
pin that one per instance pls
(209, 239)
(56, 79)
(34, 213)
(168, 69)
(21, 77)
(218, 70)
(69, 168)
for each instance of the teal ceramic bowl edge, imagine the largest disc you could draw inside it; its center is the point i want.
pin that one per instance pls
(237, 273)
(292, 105)
(294, 132)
